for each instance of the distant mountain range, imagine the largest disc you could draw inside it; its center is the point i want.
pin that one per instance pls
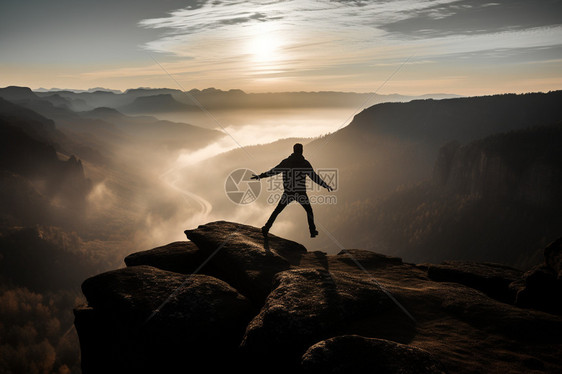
(155, 104)
(212, 98)
(92, 130)
(94, 89)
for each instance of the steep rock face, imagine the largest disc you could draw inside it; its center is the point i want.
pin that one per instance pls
(141, 319)
(444, 163)
(522, 165)
(201, 322)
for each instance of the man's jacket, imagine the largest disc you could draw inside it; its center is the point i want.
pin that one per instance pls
(295, 169)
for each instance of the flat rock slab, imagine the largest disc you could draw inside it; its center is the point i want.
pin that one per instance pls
(357, 354)
(367, 259)
(475, 308)
(492, 279)
(240, 255)
(180, 257)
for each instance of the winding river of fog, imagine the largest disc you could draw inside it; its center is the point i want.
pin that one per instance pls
(241, 128)
(259, 126)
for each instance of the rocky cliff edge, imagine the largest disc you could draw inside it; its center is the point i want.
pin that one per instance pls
(227, 300)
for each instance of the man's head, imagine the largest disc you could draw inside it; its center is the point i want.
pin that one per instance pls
(297, 148)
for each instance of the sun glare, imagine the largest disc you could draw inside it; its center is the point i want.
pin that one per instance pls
(264, 45)
(264, 48)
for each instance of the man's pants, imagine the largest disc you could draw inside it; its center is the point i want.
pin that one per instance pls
(286, 198)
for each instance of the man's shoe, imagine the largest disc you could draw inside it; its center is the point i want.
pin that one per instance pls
(313, 233)
(264, 230)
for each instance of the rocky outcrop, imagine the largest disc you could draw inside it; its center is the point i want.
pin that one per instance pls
(493, 279)
(308, 305)
(179, 257)
(241, 257)
(357, 354)
(143, 319)
(230, 300)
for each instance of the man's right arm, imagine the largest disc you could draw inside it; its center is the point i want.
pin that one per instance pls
(276, 170)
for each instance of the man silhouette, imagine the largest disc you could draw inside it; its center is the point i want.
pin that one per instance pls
(295, 169)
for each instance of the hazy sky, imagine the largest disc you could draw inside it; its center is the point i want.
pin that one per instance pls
(455, 46)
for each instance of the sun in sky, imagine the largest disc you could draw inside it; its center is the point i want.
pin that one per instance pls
(265, 43)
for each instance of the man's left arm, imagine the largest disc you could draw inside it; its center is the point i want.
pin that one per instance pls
(316, 178)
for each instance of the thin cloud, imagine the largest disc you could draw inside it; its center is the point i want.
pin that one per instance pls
(296, 38)
(226, 25)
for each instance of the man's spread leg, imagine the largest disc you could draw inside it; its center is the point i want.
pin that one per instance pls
(283, 202)
(305, 202)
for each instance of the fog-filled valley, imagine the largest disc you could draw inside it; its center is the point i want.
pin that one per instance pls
(90, 177)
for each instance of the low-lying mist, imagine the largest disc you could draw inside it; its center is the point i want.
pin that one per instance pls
(160, 192)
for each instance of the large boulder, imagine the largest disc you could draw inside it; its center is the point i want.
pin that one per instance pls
(241, 256)
(308, 305)
(492, 279)
(357, 354)
(180, 257)
(543, 284)
(143, 319)
(542, 290)
(553, 256)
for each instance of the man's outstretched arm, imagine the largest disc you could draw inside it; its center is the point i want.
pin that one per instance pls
(276, 170)
(316, 178)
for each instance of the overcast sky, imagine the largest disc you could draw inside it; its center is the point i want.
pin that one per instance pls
(452, 46)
